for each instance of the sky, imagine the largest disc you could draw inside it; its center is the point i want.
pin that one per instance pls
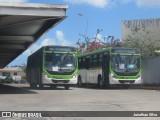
(106, 15)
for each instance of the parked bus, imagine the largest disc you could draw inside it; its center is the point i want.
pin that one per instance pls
(53, 66)
(109, 66)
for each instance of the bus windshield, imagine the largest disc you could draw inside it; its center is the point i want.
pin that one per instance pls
(60, 62)
(125, 64)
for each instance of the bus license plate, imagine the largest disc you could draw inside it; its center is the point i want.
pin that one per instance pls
(60, 82)
(127, 82)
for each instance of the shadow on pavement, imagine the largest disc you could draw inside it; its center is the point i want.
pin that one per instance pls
(48, 88)
(95, 87)
(123, 87)
(7, 89)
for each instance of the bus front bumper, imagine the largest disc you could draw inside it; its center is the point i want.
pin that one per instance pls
(113, 80)
(71, 81)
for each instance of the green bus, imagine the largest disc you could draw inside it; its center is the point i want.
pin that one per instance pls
(108, 66)
(53, 66)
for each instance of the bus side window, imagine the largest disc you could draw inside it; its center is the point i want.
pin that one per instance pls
(100, 60)
(83, 63)
(87, 62)
(95, 60)
(79, 63)
(91, 61)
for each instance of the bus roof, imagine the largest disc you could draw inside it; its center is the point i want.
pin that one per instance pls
(112, 50)
(56, 48)
(94, 52)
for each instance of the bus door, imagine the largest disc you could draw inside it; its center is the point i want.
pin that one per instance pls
(105, 69)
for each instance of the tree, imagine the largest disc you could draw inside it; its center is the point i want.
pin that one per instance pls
(24, 67)
(142, 40)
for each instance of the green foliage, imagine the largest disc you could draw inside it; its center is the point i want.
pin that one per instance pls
(143, 40)
(24, 67)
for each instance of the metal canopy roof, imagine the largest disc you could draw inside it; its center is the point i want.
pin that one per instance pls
(22, 24)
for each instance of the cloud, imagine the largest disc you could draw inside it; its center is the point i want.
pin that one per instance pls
(59, 40)
(47, 41)
(148, 3)
(141, 3)
(99, 37)
(13, 1)
(35, 46)
(95, 3)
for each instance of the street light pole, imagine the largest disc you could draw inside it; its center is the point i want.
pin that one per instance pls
(80, 14)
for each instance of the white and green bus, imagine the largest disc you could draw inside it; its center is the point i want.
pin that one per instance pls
(109, 66)
(53, 66)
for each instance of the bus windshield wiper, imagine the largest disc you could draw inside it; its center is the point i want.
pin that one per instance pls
(66, 56)
(60, 65)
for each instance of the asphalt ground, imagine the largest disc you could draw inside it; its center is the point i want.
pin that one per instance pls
(19, 97)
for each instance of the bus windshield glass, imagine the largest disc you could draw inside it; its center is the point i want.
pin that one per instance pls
(125, 64)
(60, 62)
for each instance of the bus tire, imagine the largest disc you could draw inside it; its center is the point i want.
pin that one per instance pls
(33, 85)
(79, 83)
(41, 86)
(100, 82)
(66, 87)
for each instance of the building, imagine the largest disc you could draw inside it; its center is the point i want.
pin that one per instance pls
(151, 25)
(16, 73)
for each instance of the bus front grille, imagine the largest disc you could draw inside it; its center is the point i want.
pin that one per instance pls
(60, 81)
(126, 81)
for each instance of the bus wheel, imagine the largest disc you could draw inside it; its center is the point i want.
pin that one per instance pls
(100, 82)
(66, 87)
(33, 86)
(79, 82)
(41, 86)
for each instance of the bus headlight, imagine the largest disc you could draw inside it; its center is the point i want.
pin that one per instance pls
(75, 76)
(113, 76)
(44, 75)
